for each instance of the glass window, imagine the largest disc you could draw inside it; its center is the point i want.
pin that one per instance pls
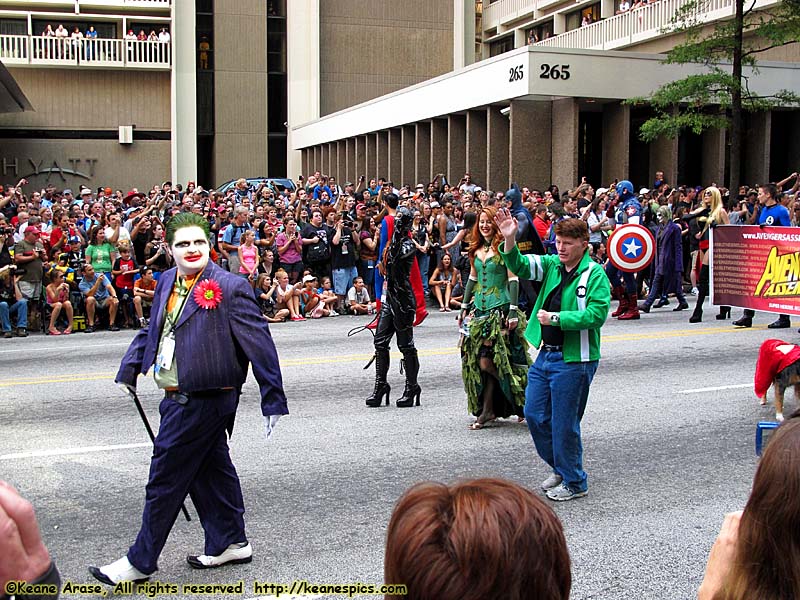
(500, 46)
(13, 27)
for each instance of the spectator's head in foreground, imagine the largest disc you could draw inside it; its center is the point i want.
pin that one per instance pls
(473, 540)
(767, 559)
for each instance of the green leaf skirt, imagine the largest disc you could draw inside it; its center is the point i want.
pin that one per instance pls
(509, 353)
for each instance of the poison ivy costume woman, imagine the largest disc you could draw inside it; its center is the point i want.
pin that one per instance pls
(495, 357)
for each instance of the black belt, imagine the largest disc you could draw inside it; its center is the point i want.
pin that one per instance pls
(549, 348)
(176, 396)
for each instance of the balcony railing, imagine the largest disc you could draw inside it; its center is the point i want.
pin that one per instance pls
(639, 25)
(82, 5)
(505, 10)
(36, 50)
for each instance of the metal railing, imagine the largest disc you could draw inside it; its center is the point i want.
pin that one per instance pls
(37, 50)
(638, 25)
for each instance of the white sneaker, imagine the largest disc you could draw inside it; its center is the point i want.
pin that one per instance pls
(694, 291)
(234, 554)
(121, 570)
(551, 482)
(334, 313)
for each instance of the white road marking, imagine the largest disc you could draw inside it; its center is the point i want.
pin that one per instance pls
(69, 451)
(716, 389)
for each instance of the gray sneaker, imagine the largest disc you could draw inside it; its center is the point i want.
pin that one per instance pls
(561, 493)
(551, 482)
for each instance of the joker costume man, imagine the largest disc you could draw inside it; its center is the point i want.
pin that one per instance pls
(205, 330)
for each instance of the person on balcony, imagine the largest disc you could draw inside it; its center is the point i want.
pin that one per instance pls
(61, 41)
(89, 36)
(76, 41)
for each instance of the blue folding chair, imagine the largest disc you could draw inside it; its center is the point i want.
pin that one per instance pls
(762, 425)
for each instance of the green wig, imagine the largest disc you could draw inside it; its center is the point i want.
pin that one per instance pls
(186, 219)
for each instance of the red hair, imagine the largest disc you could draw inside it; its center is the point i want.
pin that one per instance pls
(478, 539)
(476, 241)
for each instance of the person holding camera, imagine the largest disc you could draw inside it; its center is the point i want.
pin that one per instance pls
(30, 256)
(12, 303)
(290, 250)
(343, 256)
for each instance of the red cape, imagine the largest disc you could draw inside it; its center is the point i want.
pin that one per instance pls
(416, 282)
(772, 361)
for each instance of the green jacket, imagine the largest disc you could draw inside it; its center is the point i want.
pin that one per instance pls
(581, 326)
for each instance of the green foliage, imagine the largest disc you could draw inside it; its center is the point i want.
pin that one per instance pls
(704, 100)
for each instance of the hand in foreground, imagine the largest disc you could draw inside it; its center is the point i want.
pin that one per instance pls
(721, 557)
(271, 421)
(506, 223)
(544, 317)
(25, 557)
(512, 322)
(130, 390)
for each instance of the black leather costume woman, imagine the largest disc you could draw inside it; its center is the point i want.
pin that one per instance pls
(397, 315)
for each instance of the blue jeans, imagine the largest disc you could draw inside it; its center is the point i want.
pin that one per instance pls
(555, 399)
(19, 308)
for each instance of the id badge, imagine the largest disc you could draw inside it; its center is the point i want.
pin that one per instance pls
(167, 355)
(344, 248)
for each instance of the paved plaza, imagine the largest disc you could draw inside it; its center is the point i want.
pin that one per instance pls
(668, 437)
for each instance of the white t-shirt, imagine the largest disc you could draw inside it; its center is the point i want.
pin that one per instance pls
(124, 235)
(361, 297)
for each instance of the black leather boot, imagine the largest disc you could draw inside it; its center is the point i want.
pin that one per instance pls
(381, 387)
(412, 391)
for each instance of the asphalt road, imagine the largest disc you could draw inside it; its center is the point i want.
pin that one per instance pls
(668, 436)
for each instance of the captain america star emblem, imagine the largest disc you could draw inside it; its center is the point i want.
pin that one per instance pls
(631, 247)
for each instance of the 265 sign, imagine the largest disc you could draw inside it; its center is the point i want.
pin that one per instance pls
(516, 73)
(554, 72)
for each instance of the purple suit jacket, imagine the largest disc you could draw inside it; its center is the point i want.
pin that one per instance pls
(213, 347)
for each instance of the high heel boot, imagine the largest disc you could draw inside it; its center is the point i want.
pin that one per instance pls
(381, 387)
(724, 313)
(412, 391)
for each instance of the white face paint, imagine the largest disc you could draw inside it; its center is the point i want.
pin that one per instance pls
(190, 250)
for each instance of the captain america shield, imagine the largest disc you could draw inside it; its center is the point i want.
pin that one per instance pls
(631, 247)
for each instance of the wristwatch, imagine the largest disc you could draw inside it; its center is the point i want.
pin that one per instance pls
(555, 318)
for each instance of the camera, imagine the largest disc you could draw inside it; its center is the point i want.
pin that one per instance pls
(6, 230)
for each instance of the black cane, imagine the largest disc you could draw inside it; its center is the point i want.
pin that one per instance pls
(140, 408)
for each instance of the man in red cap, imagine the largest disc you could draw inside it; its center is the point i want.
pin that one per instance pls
(29, 256)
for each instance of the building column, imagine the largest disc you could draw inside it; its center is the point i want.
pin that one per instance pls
(565, 143)
(317, 165)
(350, 170)
(714, 156)
(456, 147)
(183, 146)
(616, 141)
(464, 33)
(341, 163)
(756, 151)
(497, 127)
(360, 158)
(438, 147)
(407, 147)
(395, 157)
(382, 155)
(607, 9)
(664, 157)
(372, 156)
(302, 56)
(530, 155)
(422, 153)
(305, 152)
(559, 23)
(325, 159)
(476, 146)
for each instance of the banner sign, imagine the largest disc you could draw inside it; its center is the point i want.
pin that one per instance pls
(756, 268)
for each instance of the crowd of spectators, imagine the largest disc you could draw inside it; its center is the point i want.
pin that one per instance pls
(308, 253)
